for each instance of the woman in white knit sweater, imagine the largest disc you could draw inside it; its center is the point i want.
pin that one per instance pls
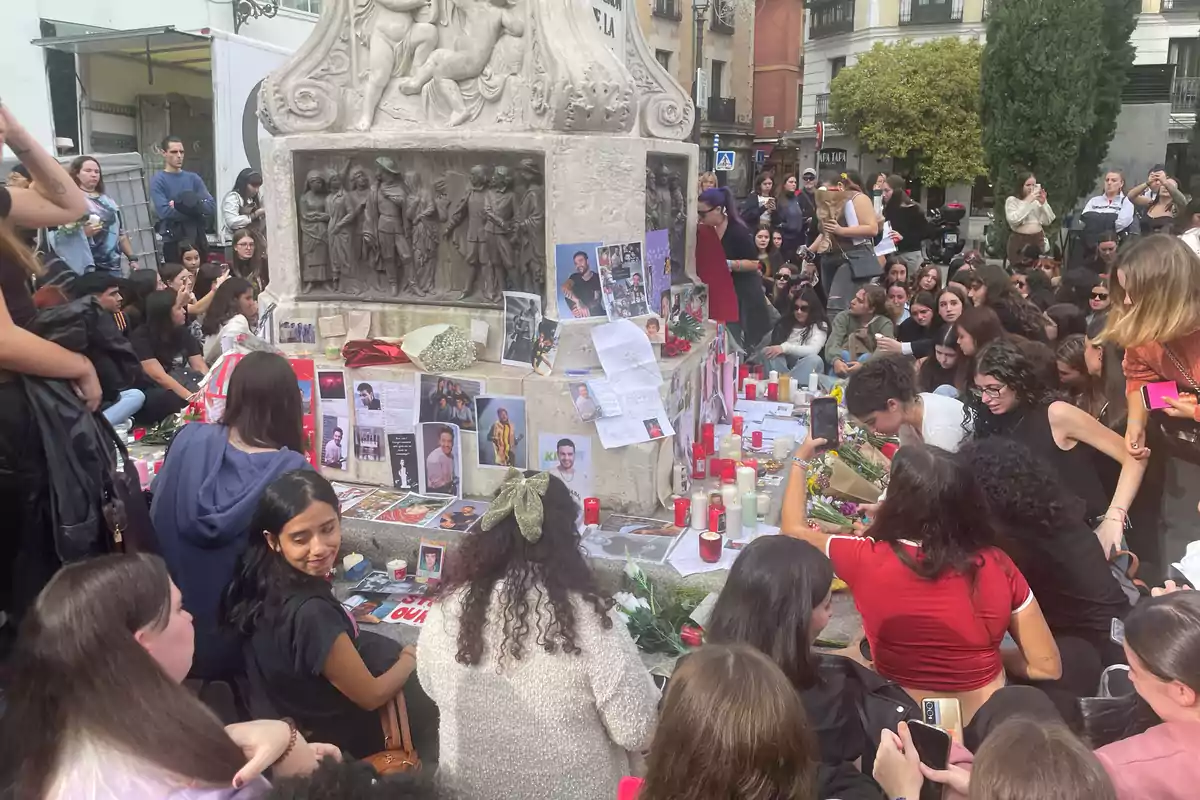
(798, 339)
(540, 693)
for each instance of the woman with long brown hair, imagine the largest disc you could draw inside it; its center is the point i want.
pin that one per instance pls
(522, 616)
(1027, 214)
(28, 556)
(732, 725)
(96, 706)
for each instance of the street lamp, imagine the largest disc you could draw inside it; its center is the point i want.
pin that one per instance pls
(700, 15)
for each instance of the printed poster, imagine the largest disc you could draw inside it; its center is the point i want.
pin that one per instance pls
(623, 280)
(658, 272)
(579, 293)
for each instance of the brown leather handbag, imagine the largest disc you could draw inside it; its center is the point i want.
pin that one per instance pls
(398, 754)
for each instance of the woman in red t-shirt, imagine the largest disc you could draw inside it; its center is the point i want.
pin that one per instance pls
(935, 594)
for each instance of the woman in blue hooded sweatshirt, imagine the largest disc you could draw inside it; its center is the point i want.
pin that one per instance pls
(209, 487)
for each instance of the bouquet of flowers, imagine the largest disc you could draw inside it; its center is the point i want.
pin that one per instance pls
(657, 620)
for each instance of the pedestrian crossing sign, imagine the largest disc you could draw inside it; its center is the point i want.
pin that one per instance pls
(724, 161)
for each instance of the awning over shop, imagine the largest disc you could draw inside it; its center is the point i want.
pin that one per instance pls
(154, 47)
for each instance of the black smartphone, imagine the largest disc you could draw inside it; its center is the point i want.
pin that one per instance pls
(933, 747)
(823, 419)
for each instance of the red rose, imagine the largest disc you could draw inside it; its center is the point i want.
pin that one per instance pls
(691, 635)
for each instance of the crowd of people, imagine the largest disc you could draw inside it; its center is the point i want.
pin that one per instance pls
(1045, 478)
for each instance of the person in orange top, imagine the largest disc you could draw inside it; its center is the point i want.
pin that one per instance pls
(1155, 316)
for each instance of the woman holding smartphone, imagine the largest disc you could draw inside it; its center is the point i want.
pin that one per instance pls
(1028, 214)
(1155, 315)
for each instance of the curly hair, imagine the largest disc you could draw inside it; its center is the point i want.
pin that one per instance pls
(1007, 362)
(882, 378)
(1025, 499)
(553, 568)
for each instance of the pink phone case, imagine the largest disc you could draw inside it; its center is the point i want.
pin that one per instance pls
(1153, 394)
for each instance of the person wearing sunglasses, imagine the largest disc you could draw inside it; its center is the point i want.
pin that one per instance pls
(798, 338)
(1010, 399)
(1098, 301)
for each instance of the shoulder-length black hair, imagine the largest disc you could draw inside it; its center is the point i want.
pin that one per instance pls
(78, 671)
(224, 306)
(263, 576)
(159, 306)
(553, 566)
(768, 601)
(264, 404)
(818, 318)
(932, 374)
(206, 276)
(935, 503)
(247, 177)
(1007, 362)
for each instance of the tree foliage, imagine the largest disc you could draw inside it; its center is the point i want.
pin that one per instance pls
(1052, 76)
(919, 100)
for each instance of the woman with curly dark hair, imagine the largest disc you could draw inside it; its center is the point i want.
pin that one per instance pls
(1043, 528)
(540, 694)
(935, 593)
(1009, 399)
(992, 286)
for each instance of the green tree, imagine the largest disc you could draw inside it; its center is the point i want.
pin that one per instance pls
(919, 100)
(1052, 76)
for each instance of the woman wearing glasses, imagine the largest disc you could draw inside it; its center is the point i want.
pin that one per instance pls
(798, 338)
(754, 317)
(1009, 400)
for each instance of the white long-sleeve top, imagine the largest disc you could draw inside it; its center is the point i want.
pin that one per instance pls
(551, 726)
(815, 345)
(1121, 205)
(232, 218)
(1028, 215)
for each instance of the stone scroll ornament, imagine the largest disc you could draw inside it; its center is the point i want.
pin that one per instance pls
(511, 65)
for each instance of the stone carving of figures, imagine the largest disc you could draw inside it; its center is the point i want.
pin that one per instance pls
(385, 221)
(403, 35)
(530, 225)
(339, 237)
(471, 210)
(353, 223)
(662, 200)
(676, 224)
(314, 232)
(484, 22)
(421, 215)
(651, 204)
(499, 230)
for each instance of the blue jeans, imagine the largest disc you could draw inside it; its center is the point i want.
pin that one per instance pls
(946, 390)
(800, 367)
(129, 403)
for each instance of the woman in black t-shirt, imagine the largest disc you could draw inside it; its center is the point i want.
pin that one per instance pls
(716, 209)
(28, 557)
(305, 654)
(171, 362)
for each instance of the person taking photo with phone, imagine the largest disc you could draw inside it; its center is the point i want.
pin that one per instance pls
(1028, 214)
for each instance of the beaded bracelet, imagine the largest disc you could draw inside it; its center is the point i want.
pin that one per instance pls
(291, 723)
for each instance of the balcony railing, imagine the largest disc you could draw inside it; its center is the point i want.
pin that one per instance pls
(821, 114)
(722, 109)
(831, 18)
(930, 12)
(1181, 5)
(1184, 94)
(668, 9)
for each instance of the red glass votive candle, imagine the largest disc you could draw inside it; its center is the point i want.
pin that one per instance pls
(683, 507)
(710, 547)
(743, 373)
(708, 438)
(138, 433)
(752, 463)
(698, 465)
(728, 471)
(751, 390)
(756, 440)
(773, 390)
(716, 519)
(591, 511)
(738, 425)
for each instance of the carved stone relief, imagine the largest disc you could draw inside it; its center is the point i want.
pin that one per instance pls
(517, 65)
(414, 226)
(666, 205)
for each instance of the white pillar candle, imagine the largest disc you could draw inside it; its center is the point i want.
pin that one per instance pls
(735, 447)
(773, 375)
(750, 511)
(733, 520)
(812, 382)
(729, 493)
(699, 518)
(764, 502)
(782, 446)
(746, 478)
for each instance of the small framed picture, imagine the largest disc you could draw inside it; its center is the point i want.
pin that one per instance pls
(430, 559)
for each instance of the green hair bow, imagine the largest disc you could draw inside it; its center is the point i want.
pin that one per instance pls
(521, 497)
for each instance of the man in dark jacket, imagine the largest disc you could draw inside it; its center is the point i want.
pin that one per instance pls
(117, 366)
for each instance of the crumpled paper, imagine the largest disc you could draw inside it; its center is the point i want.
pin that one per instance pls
(439, 348)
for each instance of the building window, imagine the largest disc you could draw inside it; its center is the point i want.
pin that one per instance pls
(718, 79)
(722, 16)
(930, 12)
(831, 17)
(836, 65)
(668, 9)
(663, 57)
(308, 6)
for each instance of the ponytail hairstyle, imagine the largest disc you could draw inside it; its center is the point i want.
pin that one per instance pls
(723, 198)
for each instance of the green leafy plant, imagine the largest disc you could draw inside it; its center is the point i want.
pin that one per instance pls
(654, 616)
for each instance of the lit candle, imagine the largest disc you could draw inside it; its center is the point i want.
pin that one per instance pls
(751, 390)
(591, 511)
(735, 446)
(773, 375)
(752, 463)
(728, 472)
(733, 520)
(710, 547)
(682, 507)
(707, 438)
(773, 390)
(745, 480)
(729, 494)
(699, 515)
(812, 382)
(750, 511)
(756, 440)
(738, 423)
(698, 472)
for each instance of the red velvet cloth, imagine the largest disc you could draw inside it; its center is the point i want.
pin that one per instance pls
(712, 269)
